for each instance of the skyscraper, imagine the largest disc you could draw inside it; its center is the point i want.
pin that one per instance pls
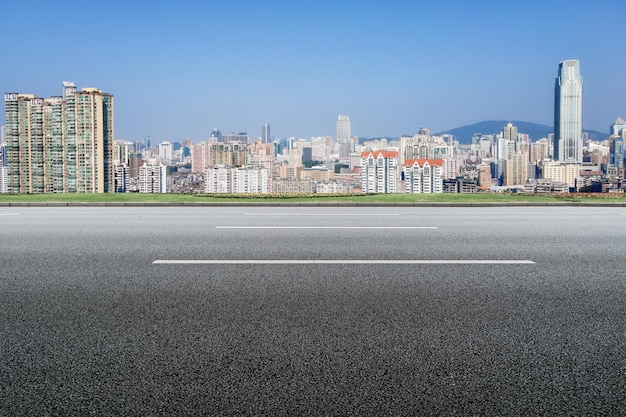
(618, 128)
(265, 133)
(60, 144)
(343, 129)
(216, 136)
(616, 147)
(568, 113)
(616, 143)
(343, 136)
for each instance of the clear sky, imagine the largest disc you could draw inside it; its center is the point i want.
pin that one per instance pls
(178, 69)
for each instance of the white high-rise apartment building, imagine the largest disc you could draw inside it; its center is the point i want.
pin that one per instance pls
(153, 178)
(250, 181)
(218, 180)
(424, 175)
(568, 113)
(236, 180)
(3, 179)
(121, 178)
(379, 171)
(3, 154)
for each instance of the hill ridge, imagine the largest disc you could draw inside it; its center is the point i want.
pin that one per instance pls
(536, 131)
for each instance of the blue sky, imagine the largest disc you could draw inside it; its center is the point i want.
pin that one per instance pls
(179, 69)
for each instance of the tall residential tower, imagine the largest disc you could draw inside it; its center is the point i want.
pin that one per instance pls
(60, 144)
(568, 113)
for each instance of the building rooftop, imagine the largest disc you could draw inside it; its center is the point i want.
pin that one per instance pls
(424, 161)
(378, 154)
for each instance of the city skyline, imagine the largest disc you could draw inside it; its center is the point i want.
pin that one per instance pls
(66, 144)
(179, 73)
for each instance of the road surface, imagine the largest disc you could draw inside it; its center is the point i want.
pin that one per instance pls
(318, 311)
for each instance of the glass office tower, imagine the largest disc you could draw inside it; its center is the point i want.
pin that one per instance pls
(568, 113)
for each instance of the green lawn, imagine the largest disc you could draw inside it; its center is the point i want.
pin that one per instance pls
(370, 198)
(96, 198)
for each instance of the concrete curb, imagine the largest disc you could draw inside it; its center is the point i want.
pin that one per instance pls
(307, 204)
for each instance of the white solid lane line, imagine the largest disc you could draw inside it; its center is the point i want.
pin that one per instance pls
(322, 214)
(344, 261)
(326, 227)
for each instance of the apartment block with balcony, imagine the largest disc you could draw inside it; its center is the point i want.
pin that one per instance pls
(61, 144)
(236, 180)
(153, 178)
(379, 171)
(424, 175)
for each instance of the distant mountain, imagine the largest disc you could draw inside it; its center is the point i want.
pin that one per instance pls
(491, 127)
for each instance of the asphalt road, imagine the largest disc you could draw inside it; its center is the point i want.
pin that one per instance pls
(90, 324)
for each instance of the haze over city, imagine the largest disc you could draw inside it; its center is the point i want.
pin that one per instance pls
(179, 70)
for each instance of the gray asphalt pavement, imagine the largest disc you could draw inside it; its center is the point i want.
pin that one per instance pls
(91, 325)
